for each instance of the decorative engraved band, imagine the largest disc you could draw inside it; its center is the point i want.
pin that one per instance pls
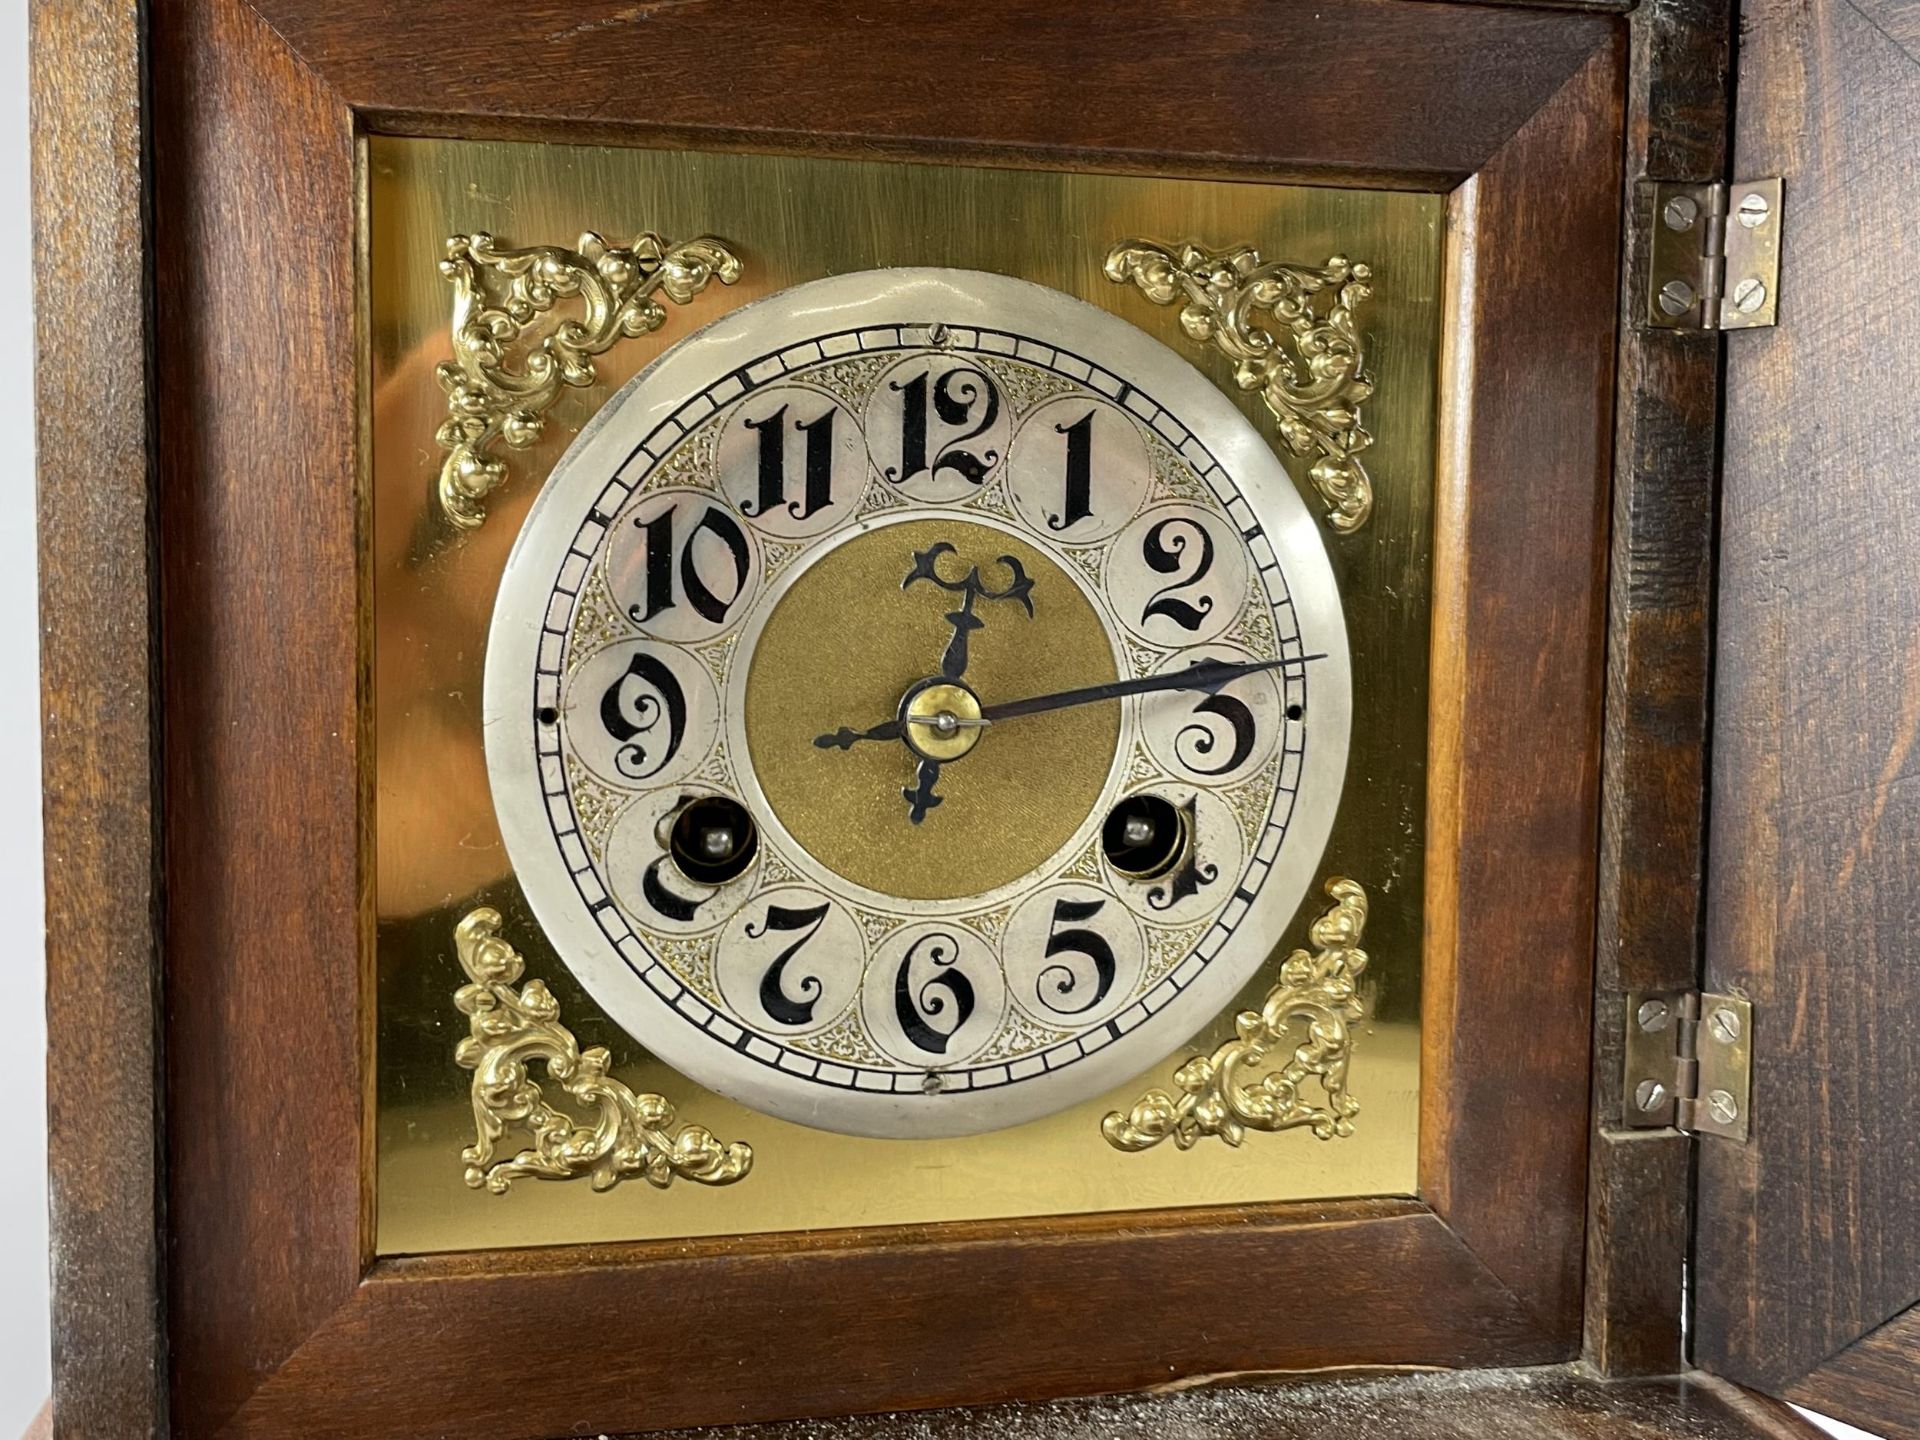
(1242, 306)
(1219, 1094)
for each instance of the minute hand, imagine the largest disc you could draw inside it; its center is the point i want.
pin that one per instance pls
(1210, 676)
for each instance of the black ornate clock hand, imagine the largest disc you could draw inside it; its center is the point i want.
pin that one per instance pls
(845, 738)
(970, 587)
(1212, 676)
(920, 797)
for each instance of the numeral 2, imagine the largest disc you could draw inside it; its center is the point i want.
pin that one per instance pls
(1165, 551)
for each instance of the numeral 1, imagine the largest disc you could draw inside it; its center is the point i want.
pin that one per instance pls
(1079, 477)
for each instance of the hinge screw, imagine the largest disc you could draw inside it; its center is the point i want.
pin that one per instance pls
(1676, 297)
(1681, 212)
(1753, 210)
(1722, 1107)
(1653, 1016)
(1725, 1026)
(1749, 295)
(1649, 1095)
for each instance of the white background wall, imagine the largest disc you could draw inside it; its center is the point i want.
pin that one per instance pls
(23, 1189)
(23, 1180)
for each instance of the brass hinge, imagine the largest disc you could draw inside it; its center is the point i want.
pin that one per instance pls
(1713, 254)
(1689, 1063)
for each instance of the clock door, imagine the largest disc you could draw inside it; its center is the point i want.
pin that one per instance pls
(1808, 1247)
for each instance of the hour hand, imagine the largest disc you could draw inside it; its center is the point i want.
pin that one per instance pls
(845, 738)
(920, 799)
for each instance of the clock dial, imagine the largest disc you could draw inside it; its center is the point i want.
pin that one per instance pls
(917, 703)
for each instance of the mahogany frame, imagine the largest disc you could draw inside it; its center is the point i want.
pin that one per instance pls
(222, 578)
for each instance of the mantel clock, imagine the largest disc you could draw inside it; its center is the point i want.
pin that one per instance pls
(766, 715)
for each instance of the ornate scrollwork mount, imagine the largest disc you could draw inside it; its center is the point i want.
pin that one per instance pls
(1219, 1092)
(629, 1135)
(1247, 307)
(501, 382)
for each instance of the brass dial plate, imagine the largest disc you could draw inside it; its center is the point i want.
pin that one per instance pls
(435, 846)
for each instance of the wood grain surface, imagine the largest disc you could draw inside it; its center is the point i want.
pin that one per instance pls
(678, 1333)
(98, 752)
(256, 362)
(1808, 1247)
(1379, 91)
(1652, 819)
(1519, 614)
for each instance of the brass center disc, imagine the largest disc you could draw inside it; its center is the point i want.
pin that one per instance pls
(841, 647)
(943, 720)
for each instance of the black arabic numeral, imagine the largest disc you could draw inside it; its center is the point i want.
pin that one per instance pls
(1089, 943)
(655, 892)
(819, 481)
(913, 428)
(1205, 740)
(954, 402)
(1190, 876)
(817, 488)
(1165, 551)
(660, 567)
(643, 696)
(774, 999)
(913, 1010)
(961, 394)
(1078, 499)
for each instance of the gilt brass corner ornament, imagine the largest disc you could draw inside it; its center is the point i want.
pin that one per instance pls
(630, 1135)
(1247, 308)
(1220, 1095)
(502, 381)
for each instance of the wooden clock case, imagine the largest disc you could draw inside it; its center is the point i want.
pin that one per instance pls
(198, 164)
